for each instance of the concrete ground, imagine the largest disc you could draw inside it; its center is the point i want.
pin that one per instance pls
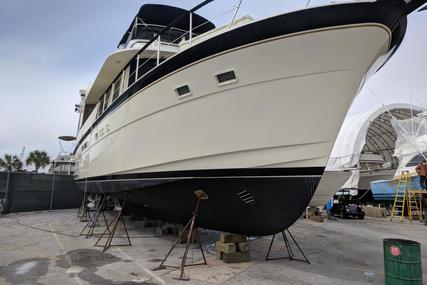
(45, 248)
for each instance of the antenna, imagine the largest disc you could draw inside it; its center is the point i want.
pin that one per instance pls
(235, 13)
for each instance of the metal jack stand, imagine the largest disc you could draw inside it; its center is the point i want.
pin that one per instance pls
(118, 217)
(94, 220)
(83, 211)
(201, 195)
(288, 248)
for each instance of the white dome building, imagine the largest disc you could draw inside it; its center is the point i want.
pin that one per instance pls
(364, 150)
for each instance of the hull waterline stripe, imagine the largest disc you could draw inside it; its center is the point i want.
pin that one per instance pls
(193, 177)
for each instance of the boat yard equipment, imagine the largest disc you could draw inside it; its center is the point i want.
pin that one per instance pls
(405, 197)
(118, 217)
(93, 221)
(291, 255)
(201, 195)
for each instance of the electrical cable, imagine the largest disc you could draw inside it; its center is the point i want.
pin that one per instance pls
(77, 236)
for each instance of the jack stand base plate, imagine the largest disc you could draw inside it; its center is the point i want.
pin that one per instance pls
(183, 278)
(161, 267)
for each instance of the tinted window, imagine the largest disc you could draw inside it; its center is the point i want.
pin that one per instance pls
(132, 72)
(183, 90)
(100, 106)
(226, 76)
(146, 65)
(107, 98)
(117, 84)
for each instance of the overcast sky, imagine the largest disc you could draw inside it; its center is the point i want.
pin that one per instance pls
(49, 49)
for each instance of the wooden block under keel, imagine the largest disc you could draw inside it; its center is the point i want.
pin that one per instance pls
(226, 247)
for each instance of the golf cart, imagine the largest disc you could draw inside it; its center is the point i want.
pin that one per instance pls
(347, 204)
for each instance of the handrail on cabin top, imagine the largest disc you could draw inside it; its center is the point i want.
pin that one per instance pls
(164, 30)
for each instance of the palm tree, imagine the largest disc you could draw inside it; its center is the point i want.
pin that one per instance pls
(10, 163)
(38, 158)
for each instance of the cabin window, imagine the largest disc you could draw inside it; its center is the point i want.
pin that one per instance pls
(87, 111)
(146, 65)
(226, 77)
(172, 35)
(100, 106)
(107, 98)
(132, 72)
(117, 84)
(84, 146)
(183, 91)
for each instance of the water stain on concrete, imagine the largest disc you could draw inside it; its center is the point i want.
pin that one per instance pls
(89, 260)
(25, 271)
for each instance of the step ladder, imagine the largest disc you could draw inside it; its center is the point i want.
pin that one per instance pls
(415, 206)
(404, 199)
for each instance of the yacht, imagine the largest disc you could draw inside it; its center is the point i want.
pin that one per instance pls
(247, 112)
(63, 163)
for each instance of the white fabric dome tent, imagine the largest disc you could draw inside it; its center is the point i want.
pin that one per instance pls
(368, 135)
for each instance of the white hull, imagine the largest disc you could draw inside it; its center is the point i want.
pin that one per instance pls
(329, 184)
(285, 110)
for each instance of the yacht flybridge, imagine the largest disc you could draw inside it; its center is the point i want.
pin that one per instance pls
(247, 112)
